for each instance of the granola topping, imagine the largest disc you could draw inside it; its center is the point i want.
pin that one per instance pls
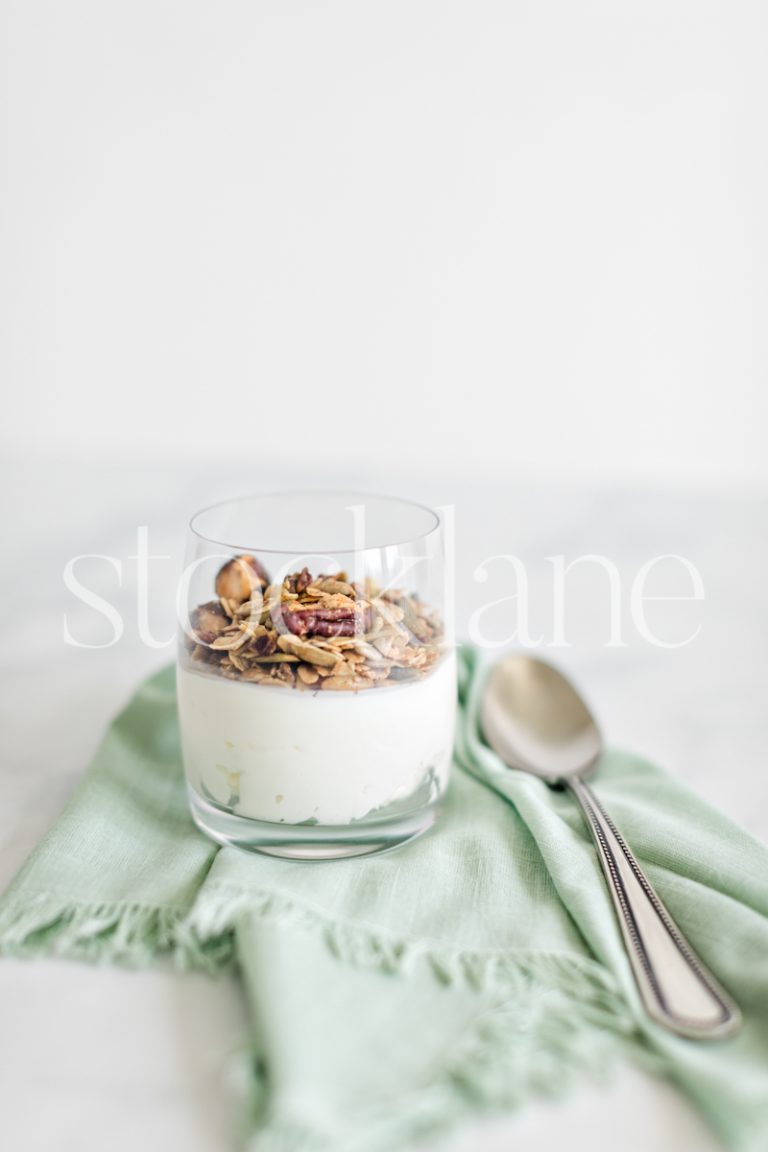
(312, 633)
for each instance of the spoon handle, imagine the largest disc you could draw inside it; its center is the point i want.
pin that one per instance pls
(677, 990)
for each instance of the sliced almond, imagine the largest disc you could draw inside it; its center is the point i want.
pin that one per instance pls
(370, 653)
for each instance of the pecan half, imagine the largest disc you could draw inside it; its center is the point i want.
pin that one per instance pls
(325, 619)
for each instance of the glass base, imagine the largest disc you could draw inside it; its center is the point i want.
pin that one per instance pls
(380, 833)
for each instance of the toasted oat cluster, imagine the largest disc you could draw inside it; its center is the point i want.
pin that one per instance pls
(315, 632)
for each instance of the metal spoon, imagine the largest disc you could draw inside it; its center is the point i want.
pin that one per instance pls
(535, 720)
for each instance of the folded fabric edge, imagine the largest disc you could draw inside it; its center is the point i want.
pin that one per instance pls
(133, 935)
(221, 906)
(203, 937)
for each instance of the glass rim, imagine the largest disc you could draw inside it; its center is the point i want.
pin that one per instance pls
(313, 492)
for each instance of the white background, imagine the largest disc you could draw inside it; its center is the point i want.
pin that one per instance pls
(508, 256)
(532, 236)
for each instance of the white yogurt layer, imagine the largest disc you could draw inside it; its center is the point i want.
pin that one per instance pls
(281, 754)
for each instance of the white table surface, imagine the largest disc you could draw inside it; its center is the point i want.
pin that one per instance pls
(95, 1058)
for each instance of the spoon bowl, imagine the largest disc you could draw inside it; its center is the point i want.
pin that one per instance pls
(535, 720)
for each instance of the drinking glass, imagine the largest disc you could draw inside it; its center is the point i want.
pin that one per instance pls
(316, 672)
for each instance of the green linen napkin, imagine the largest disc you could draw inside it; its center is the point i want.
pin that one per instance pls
(395, 995)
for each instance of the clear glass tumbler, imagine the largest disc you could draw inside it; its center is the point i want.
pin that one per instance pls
(316, 675)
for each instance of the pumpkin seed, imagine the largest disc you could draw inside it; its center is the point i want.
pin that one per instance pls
(229, 642)
(305, 651)
(341, 587)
